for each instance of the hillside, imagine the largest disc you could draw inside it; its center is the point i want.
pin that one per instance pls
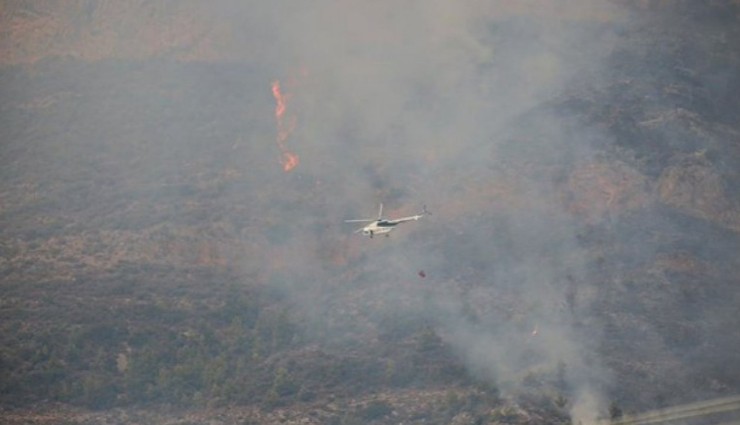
(158, 264)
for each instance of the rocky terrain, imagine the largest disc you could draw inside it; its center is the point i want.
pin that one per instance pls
(157, 264)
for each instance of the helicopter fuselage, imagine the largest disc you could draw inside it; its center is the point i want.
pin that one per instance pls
(378, 228)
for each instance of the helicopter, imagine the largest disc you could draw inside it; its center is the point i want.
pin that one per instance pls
(383, 226)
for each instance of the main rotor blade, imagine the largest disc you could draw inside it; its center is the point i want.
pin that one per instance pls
(360, 221)
(380, 213)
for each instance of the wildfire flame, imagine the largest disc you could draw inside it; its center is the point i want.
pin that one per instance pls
(289, 161)
(285, 126)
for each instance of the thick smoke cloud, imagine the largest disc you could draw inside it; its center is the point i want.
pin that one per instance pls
(443, 103)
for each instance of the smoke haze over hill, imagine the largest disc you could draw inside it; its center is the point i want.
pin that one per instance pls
(414, 104)
(580, 159)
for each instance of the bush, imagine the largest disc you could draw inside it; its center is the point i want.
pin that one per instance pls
(375, 410)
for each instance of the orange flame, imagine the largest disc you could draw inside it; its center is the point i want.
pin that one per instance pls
(289, 161)
(285, 127)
